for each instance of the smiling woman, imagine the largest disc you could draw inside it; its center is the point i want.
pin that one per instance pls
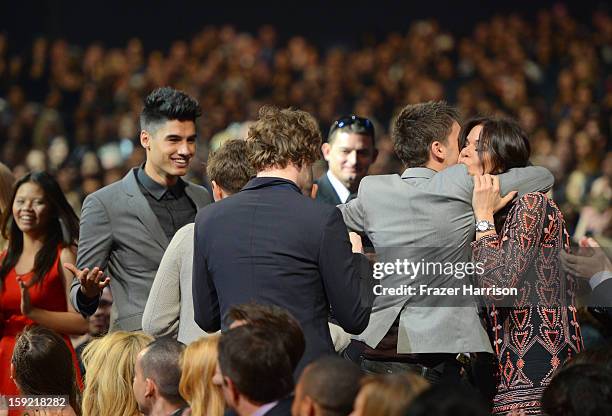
(42, 231)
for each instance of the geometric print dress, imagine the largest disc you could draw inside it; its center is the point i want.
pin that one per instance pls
(535, 332)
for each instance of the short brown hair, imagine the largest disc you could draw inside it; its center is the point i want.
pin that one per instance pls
(284, 136)
(229, 166)
(419, 125)
(391, 394)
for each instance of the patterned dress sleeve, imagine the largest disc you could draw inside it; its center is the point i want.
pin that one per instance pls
(508, 258)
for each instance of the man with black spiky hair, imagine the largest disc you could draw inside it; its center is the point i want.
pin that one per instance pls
(126, 226)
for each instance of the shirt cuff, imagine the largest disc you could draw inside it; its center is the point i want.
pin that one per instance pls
(599, 278)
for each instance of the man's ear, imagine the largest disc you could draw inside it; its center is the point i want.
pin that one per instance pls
(326, 149)
(145, 139)
(234, 393)
(438, 151)
(314, 190)
(309, 407)
(150, 388)
(217, 191)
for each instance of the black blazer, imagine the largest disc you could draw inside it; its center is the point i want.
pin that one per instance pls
(326, 192)
(270, 244)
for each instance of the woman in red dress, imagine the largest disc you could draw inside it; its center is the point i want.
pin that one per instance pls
(42, 232)
(534, 332)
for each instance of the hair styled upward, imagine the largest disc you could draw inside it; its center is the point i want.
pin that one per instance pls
(166, 103)
(419, 125)
(281, 137)
(198, 364)
(229, 166)
(43, 365)
(62, 228)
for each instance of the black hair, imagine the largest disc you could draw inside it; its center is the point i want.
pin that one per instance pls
(62, 228)
(161, 363)
(165, 104)
(502, 143)
(333, 383)
(448, 400)
(256, 361)
(581, 389)
(276, 318)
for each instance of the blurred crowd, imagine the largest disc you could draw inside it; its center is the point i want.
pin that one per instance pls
(74, 109)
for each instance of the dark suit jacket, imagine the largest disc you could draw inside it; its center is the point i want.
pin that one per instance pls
(282, 408)
(121, 234)
(326, 192)
(270, 244)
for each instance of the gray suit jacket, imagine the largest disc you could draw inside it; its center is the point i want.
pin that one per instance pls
(121, 234)
(423, 208)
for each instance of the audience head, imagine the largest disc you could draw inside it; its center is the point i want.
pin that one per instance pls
(448, 400)
(198, 364)
(276, 319)
(109, 372)
(427, 135)
(306, 183)
(350, 149)
(388, 395)
(42, 365)
(327, 387)
(229, 168)
(168, 133)
(280, 138)
(254, 367)
(6, 188)
(40, 210)
(493, 145)
(600, 356)
(157, 374)
(581, 389)
(99, 322)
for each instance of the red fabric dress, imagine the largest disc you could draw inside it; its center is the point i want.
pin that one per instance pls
(49, 295)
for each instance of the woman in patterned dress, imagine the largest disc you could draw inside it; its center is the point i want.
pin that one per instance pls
(534, 332)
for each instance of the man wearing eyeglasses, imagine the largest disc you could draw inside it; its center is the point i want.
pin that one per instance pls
(349, 152)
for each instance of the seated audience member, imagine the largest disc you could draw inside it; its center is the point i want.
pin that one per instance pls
(255, 371)
(600, 356)
(42, 365)
(388, 395)
(109, 364)
(99, 323)
(169, 308)
(579, 390)
(448, 400)
(327, 387)
(157, 375)
(198, 364)
(6, 191)
(274, 318)
(285, 249)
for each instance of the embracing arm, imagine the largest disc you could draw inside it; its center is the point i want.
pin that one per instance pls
(69, 322)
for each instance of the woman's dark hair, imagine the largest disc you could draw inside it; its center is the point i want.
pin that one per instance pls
(62, 228)
(503, 143)
(43, 365)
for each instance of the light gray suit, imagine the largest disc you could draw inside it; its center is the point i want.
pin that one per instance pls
(423, 208)
(120, 233)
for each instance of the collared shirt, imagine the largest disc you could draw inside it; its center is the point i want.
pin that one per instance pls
(262, 410)
(172, 206)
(599, 278)
(341, 190)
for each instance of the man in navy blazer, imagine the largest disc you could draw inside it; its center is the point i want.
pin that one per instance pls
(270, 244)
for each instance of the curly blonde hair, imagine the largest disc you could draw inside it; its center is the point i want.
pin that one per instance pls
(198, 363)
(390, 394)
(281, 137)
(109, 374)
